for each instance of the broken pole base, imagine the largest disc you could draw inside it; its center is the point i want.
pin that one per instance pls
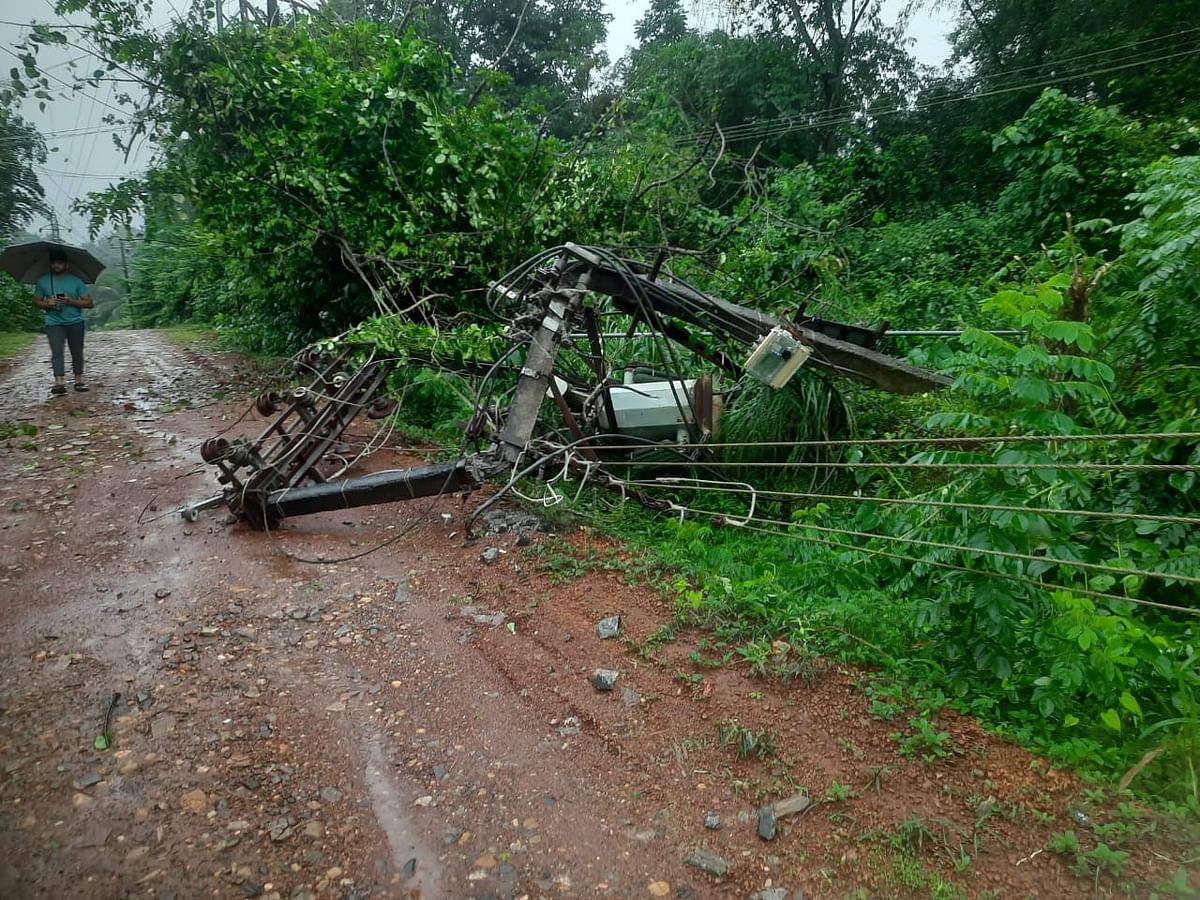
(367, 490)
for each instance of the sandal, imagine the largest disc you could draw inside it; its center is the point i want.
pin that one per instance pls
(80, 386)
(58, 389)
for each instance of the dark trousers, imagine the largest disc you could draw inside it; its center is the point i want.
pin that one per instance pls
(72, 335)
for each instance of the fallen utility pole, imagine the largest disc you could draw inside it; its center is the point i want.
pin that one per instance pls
(281, 473)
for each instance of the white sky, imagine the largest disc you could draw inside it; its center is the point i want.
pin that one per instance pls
(83, 157)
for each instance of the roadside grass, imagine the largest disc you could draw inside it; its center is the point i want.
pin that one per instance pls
(13, 343)
(192, 335)
(781, 607)
(761, 592)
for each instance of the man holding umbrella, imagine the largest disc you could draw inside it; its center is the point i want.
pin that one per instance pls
(54, 270)
(64, 297)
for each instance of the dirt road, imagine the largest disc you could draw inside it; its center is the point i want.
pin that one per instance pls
(418, 722)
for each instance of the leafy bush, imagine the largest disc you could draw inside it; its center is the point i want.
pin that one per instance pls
(1012, 612)
(17, 311)
(1067, 156)
(931, 273)
(1152, 326)
(327, 176)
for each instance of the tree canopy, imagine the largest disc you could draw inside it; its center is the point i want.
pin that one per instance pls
(21, 194)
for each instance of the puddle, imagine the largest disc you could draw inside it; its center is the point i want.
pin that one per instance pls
(390, 808)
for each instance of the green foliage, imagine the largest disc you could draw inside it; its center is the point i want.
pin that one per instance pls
(21, 198)
(897, 176)
(1012, 631)
(1065, 156)
(926, 273)
(838, 792)
(783, 92)
(853, 60)
(1134, 54)
(807, 409)
(312, 178)
(1151, 324)
(21, 148)
(178, 273)
(109, 293)
(924, 741)
(537, 57)
(787, 248)
(1100, 860)
(685, 84)
(17, 311)
(664, 22)
(1064, 842)
(446, 348)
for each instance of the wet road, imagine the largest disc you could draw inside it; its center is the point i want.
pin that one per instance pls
(415, 716)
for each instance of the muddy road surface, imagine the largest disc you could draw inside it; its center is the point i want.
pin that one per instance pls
(291, 716)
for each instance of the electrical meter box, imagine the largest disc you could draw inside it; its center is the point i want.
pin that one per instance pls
(776, 357)
(659, 410)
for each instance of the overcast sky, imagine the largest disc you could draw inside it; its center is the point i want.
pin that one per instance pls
(84, 158)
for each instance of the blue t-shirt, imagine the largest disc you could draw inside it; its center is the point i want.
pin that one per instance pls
(50, 285)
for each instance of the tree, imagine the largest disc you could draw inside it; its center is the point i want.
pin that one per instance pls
(685, 86)
(1139, 55)
(664, 23)
(763, 91)
(836, 36)
(547, 50)
(21, 194)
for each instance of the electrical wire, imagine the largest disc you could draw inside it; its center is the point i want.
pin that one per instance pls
(833, 115)
(937, 564)
(832, 112)
(962, 548)
(678, 484)
(756, 131)
(966, 439)
(1103, 52)
(1066, 467)
(759, 523)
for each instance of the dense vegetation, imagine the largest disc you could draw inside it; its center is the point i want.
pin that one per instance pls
(314, 175)
(21, 198)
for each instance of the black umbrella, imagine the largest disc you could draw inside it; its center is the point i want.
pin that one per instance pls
(29, 262)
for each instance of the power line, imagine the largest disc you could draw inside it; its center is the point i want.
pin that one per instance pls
(67, 84)
(936, 441)
(1103, 52)
(829, 114)
(69, 133)
(91, 146)
(70, 174)
(992, 466)
(680, 484)
(784, 125)
(756, 131)
(938, 564)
